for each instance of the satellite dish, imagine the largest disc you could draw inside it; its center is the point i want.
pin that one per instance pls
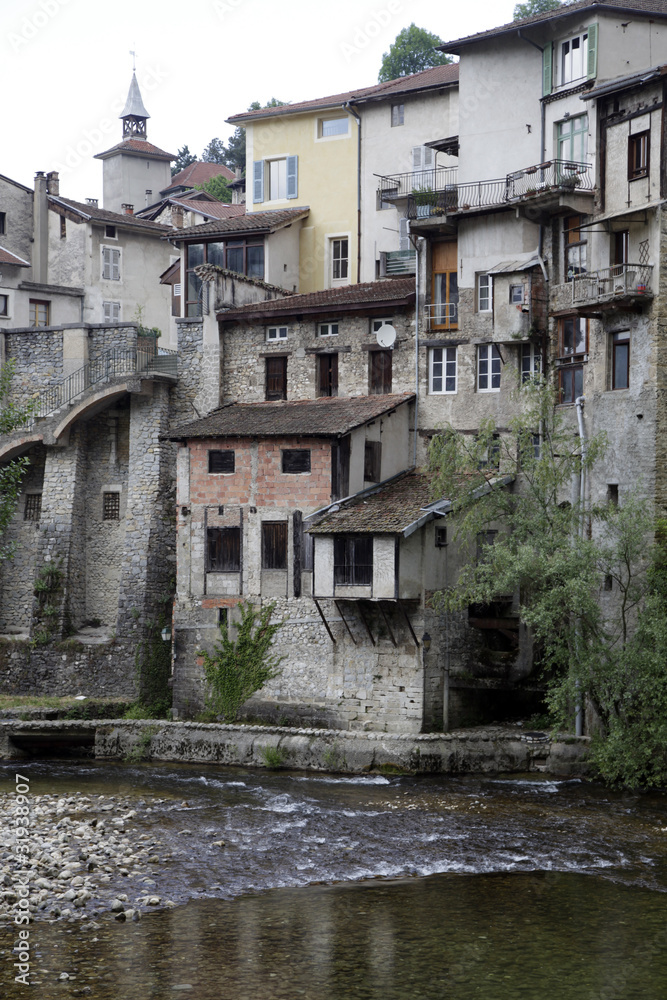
(386, 335)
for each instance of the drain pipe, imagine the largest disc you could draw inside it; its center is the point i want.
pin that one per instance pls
(348, 107)
(579, 403)
(419, 244)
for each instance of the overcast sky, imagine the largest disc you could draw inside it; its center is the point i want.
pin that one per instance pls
(66, 67)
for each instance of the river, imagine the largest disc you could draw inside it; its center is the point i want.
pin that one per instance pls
(324, 887)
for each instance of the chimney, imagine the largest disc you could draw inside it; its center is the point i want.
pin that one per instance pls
(149, 195)
(177, 216)
(53, 183)
(40, 231)
(92, 202)
(127, 209)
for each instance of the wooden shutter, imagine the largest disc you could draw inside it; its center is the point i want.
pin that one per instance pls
(547, 68)
(297, 540)
(258, 181)
(106, 262)
(115, 265)
(274, 544)
(372, 461)
(592, 67)
(221, 461)
(296, 460)
(292, 176)
(276, 378)
(223, 550)
(327, 375)
(380, 372)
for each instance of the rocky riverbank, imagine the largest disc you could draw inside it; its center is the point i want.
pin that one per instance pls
(88, 854)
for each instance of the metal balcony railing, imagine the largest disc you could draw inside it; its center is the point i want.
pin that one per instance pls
(117, 362)
(618, 281)
(535, 182)
(401, 185)
(442, 315)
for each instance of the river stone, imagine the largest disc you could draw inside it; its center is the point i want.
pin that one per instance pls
(117, 906)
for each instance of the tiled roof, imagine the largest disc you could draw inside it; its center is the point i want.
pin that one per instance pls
(396, 290)
(330, 416)
(253, 222)
(437, 76)
(212, 209)
(101, 214)
(199, 173)
(651, 7)
(142, 146)
(386, 510)
(6, 257)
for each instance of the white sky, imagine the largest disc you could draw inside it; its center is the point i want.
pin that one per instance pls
(65, 67)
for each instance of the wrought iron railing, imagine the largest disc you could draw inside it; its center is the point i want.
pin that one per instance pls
(117, 362)
(610, 282)
(442, 315)
(550, 177)
(401, 185)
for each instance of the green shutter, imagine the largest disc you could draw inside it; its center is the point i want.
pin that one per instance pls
(592, 69)
(547, 69)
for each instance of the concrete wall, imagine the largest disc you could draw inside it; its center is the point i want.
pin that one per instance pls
(127, 177)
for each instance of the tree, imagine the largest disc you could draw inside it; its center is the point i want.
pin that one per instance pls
(214, 152)
(533, 7)
(412, 51)
(11, 473)
(235, 670)
(611, 652)
(183, 160)
(218, 187)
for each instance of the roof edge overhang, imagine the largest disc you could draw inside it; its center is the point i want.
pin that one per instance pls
(338, 308)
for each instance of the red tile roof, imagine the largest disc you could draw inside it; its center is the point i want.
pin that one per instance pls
(437, 76)
(253, 222)
(386, 510)
(199, 173)
(368, 294)
(330, 416)
(211, 209)
(140, 146)
(102, 215)
(650, 7)
(6, 257)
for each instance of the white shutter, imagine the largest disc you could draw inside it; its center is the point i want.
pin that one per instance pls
(178, 289)
(111, 312)
(417, 157)
(115, 265)
(428, 157)
(107, 312)
(106, 262)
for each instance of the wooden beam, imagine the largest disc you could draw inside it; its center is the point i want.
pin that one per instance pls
(386, 621)
(340, 612)
(326, 624)
(363, 618)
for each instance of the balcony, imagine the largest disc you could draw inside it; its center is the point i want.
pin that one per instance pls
(622, 283)
(443, 315)
(542, 187)
(396, 186)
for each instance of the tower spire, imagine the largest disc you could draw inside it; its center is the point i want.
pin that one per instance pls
(134, 113)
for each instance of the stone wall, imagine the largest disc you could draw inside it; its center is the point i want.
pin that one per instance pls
(67, 668)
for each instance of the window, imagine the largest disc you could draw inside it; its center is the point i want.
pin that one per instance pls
(491, 456)
(621, 248)
(111, 312)
(440, 538)
(110, 264)
(244, 256)
(195, 255)
(340, 260)
(575, 247)
(223, 550)
(372, 461)
(3, 223)
(484, 293)
(397, 115)
(327, 375)
(276, 378)
(573, 139)
(63, 227)
(444, 286)
(328, 330)
(111, 506)
(620, 360)
(516, 295)
(276, 333)
(379, 372)
(488, 368)
(4, 305)
(484, 540)
(639, 153)
(531, 362)
(442, 369)
(221, 462)
(612, 494)
(296, 460)
(327, 128)
(33, 507)
(353, 560)
(110, 232)
(277, 180)
(279, 177)
(573, 336)
(570, 383)
(377, 323)
(423, 158)
(40, 312)
(574, 58)
(274, 544)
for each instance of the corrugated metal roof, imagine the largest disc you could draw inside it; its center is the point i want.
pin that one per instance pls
(512, 266)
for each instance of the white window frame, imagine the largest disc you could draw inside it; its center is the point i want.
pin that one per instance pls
(485, 301)
(489, 355)
(276, 333)
(517, 295)
(319, 126)
(530, 362)
(108, 310)
(269, 163)
(6, 295)
(332, 238)
(444, 368)
(566, 63)
(110, 256)
(381, 321)
(397, 115)
(327, 330)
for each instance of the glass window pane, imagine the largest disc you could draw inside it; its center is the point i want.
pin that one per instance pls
(235, 259)
(216, 254)
(195, 254)
(255, 257)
